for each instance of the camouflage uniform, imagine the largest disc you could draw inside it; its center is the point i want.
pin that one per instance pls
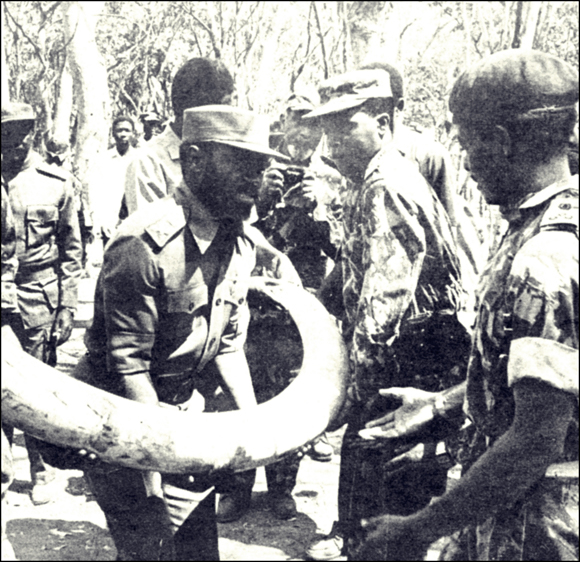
(528, 309)
(402, 290)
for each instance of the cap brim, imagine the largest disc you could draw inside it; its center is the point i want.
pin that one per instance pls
(336, 106)
(254, 148)
(11, 119)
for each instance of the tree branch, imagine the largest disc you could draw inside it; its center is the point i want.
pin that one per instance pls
(321, 36)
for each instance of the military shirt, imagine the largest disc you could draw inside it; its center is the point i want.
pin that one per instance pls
(47, 239)
(399, 262)
(527, 325)
(172, 292)
(9, 259)
(154, 172)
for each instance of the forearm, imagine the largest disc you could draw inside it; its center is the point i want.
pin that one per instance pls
(235, 374)
(449, 402)
(140, 389)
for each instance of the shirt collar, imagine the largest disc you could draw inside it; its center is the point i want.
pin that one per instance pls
(202, 225)
(377, 158)
(531, 200)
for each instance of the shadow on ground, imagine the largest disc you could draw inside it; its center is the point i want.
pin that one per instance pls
(55, 539)
(259, 535)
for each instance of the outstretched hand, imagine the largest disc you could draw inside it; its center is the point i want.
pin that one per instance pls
(415, 412)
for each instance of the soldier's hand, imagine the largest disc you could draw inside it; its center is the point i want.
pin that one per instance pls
(309, 187)
(272, 183)
(63, 325)
(414, 413)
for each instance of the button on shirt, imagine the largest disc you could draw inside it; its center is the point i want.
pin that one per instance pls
(172, 292)
(154, 172)
(399, 261)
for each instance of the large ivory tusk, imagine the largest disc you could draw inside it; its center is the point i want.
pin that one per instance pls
(54, 407)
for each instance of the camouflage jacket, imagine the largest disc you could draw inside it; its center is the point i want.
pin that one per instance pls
(527, 327)
(400, 266)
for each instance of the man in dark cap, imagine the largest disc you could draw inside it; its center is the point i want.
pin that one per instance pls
(518, 497)
(401, 293)
(48, 249)
(170, 323)
(152, 125)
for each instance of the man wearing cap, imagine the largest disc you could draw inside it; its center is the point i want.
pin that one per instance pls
(152, 125)
(48, 248)
(171, 317)
(298, 207)
(401, 293)
(518, 497)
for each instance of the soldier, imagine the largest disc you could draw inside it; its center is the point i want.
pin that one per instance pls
(156, 172)
(171, 316)
(401, 292)
(515, 112)
(49, 251)
(9, 315)
(298, 206)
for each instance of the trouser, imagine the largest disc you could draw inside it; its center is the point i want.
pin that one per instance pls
(120, 493)
(369, 485)
(36, 342)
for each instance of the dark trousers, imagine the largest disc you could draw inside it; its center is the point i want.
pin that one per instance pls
(120, 493)
(369, 485)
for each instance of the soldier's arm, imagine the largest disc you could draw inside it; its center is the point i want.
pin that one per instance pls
(69, 248)
(144, 181)
(393, 248)
(501, 476)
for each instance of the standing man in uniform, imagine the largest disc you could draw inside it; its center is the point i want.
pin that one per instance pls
(48, 249)
(401, 292)
(155, 171)
(171, 317)
(518, 497)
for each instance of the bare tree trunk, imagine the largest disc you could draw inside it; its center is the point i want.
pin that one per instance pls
(5, 90)
(530, 24)
(90, 81)
(64, 105)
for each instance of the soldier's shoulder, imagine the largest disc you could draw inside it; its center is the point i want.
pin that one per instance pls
(158, 222)
(562, 212)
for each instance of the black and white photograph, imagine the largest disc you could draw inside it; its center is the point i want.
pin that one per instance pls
(290, 280)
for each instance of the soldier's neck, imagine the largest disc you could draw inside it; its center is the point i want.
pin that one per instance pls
(541, 175)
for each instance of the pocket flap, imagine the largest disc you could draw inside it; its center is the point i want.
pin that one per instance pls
(235, 292)
(41, 213)
(187, 300)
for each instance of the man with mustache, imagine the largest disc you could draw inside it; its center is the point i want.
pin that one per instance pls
(170, 319)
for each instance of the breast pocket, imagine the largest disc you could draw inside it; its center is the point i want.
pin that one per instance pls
(184, 306)
(40, 224)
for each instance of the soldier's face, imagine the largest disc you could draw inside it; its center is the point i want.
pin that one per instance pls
(122, 133)
(302, 136)
(17, 137)
(353, 138)
(486, 161)
(231, 180)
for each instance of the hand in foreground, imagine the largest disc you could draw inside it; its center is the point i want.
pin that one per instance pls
(63, 325)
(390, 537)
(415, 412)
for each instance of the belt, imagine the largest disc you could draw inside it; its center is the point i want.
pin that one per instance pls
(35, 274)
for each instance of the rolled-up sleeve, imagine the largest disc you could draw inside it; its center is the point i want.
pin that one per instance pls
(130, 308)
(543, 286)
(144, 181)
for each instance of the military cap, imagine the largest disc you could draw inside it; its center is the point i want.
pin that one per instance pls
(151, 117)
(302, 101)
(16, 111)
(228, 125)
(352, 89)
(514, 84)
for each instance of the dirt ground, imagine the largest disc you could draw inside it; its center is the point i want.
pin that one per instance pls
(73, 527)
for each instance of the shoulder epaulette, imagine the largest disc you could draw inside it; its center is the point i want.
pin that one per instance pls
(166, 226)
(52, 172)
(562, 212)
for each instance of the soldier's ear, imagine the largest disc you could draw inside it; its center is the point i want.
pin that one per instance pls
(384, 123)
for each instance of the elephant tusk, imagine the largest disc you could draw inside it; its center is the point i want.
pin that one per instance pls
(59, 409)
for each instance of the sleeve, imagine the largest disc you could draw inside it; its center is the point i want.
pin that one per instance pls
(69, 249)
(234, 335)
(130, 279)
(9, 259)
(393, 246)
(543, 293)
(144, 181)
